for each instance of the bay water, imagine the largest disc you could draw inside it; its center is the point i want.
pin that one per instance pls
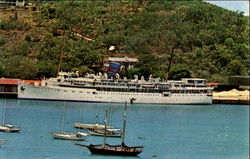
(217, 131)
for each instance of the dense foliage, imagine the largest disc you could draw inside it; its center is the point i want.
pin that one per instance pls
(207, 41)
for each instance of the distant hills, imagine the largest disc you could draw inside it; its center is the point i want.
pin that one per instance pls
(206, 41)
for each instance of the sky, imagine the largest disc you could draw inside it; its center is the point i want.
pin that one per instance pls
(235, 5)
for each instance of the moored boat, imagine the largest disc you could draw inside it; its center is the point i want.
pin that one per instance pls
(90, 126)
(108, 132)
(67, 135)
(120, 150)
(8, 127)
(99, 88)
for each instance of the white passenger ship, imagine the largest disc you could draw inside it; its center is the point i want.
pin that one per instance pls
(98, 88)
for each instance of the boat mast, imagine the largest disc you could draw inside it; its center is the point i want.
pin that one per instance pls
(80, 115)
(124, 122)
(96, 115)
(63, 117)
(105, 129)
(110, 116)
(4, 111)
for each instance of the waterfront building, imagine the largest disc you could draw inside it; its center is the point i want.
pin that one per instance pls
(124, 61)
(8, 87)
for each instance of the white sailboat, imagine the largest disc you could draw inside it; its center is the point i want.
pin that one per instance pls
(108, 132)
(79, 132)
(111, 132)
(8, 127)
(66, 135)
(94, 126)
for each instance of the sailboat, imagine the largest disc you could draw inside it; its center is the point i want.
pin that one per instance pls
(8, 127)
(110, 132)
(94, 126)
(107, 132)
(120, 150)
(66, 135)
(79, 132)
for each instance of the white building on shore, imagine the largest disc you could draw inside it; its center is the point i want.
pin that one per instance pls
(124, 61)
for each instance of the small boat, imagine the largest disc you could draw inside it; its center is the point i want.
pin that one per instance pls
(114, 129)
(8, 127)
(102, 133)
(90, 126)
(82, 133)
(119, 150)
(95, 126)
(67, 135)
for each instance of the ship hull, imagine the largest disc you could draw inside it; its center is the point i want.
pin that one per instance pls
(26, 91)
(116, 152)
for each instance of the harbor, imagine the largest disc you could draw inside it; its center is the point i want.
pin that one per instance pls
(123, 80)
(177, 131)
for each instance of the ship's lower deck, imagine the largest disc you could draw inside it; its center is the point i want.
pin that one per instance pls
(92, 95)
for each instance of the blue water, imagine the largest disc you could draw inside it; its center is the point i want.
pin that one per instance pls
(165, 131)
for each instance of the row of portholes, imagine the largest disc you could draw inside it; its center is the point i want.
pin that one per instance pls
(188, 95)
(137, 94)
(130, 94)
(58, 90)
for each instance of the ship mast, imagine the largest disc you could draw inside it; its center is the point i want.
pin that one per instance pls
(170, 61)
(62, 54)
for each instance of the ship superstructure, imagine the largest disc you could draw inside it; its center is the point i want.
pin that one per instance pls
(100, 88)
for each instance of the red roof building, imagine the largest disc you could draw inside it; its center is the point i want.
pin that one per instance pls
(8, 87)
(8, 81)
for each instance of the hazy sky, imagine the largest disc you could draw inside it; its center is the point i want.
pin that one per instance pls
(240, 5)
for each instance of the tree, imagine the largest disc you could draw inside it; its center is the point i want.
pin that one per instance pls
(21, 67)
(179, 71)
(1, 70)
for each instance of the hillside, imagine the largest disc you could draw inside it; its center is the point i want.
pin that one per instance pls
(207, 41)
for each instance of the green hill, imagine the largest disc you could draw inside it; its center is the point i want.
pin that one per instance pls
(207, 41)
